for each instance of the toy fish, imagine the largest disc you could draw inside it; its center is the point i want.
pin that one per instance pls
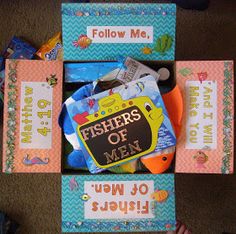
(158, 162)
(83, 42)
(146, 50)
(85, 197)
(160, 195)
(35, 161)
(52, 80)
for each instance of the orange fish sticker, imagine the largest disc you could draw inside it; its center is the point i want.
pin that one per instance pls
(160, 195)
(83, 42)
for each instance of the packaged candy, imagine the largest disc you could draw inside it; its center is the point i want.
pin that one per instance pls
(18, 49)
(89, 72)
(52, 49)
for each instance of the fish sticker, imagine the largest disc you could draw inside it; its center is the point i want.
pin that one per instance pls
(85, 197)
(160, 195)
(201, 158)
(83, 42)
(146, 50)
(163, 44)
(52, 80)
(35, 161)
(202, 76)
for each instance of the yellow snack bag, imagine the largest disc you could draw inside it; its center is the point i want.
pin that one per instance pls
(52, 49)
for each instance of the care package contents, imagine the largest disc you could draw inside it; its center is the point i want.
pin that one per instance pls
(106, 110)
(52, 49)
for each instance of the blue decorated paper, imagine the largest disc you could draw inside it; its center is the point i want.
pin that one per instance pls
(118, 203)
(107, 31)
(144, 87)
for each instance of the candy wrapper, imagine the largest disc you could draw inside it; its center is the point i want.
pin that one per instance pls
(52, 49)
(18, 49)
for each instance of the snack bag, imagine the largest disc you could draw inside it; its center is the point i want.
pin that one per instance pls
(18, 49)
(89, 72)
(52, 49)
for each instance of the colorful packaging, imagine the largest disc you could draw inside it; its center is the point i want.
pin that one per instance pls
(89, 72)
(18, 49)
(206, 142)
(136, 70)
(141, 99)
(52, 49)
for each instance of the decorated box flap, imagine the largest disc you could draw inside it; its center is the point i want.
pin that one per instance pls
(118, 203)
(107, 31)
(206, 143)
(128, 121)
(31, 136)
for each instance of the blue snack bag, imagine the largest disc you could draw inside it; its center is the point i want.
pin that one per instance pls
(18, 49)
(89, 72)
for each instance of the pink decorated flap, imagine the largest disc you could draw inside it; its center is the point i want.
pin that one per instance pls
(206, 141)
(33, 96)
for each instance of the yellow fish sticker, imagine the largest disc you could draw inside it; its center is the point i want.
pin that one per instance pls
(85, 197)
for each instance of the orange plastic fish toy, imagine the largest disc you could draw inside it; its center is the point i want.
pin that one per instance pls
(83, 42)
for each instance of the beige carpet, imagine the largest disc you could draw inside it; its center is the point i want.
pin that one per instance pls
(205, 202)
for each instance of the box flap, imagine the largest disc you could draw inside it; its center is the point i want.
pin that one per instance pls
(107, 31)
(206, 142)
(118, 203)
(31, 136)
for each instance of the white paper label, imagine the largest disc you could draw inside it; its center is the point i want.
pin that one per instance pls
(120, 34)
(118, 199)
(36, 115)
(201, 111)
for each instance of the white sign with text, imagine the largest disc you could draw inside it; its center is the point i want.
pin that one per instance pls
(118, 199)
(120, 34)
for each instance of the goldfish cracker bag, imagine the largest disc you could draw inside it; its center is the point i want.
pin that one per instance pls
(52, 49)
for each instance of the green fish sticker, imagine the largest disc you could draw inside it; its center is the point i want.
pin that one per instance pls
(163, 44)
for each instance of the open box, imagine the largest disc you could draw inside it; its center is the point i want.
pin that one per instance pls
(150, 198)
